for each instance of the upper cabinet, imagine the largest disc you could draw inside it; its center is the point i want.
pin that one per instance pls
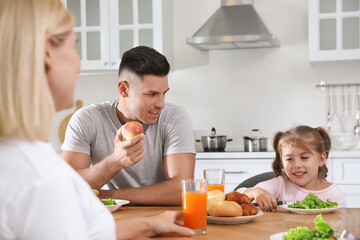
(108, 28)
(334, 30)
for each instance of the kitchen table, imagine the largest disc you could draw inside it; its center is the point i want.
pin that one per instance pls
(261, 228)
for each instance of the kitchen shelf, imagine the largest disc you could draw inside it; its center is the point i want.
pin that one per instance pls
(323, 85)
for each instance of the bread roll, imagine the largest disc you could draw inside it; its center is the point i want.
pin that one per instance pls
(225, 209)
(237, 197)
(249, 209)
(213, 197)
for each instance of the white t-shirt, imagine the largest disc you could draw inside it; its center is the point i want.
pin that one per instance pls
(42, 197)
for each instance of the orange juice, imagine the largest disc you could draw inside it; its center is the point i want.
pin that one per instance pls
(215, 187)
(194, 209)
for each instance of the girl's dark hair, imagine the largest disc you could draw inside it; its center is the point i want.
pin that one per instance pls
(144, 60)
(313, 139)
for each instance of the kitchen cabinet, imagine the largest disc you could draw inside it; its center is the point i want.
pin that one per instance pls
(346, 176)
(334, 30)
(108, 28)
(238, 166)
(343, 169)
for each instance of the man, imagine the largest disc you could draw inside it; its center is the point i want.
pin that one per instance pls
(147, 169)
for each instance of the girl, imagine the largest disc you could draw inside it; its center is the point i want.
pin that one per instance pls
(41, 196)
(300, 159)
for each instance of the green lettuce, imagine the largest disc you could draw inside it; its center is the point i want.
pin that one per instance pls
(109, 202)
(299, 233)
(311, 201)
(321, 231)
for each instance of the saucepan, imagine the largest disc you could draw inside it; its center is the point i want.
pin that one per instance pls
(214, 143)
(255, 142)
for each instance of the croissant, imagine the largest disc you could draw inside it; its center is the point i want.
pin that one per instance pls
(249, 209)
(237, 197)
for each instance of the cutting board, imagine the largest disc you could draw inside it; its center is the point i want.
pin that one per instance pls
(65, 121)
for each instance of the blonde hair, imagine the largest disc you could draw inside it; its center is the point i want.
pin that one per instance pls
(313, 139)
(26, 104)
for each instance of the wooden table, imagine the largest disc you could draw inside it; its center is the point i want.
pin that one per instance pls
(261, 228)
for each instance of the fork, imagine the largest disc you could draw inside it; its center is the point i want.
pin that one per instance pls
(344, 234)
(282, 203)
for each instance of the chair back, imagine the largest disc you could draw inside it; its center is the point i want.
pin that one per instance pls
(64, 123)
(252, 181)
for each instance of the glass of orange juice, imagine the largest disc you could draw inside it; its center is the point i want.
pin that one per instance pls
(194, 200)
(215, 178)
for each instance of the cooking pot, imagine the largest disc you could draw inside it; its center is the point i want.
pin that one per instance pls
(214, 143)
(255, 142)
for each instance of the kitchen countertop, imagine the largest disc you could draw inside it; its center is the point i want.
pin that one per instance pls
(265, 155)
(227, 155)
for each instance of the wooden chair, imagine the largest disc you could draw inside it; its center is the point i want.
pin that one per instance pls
(65, 121)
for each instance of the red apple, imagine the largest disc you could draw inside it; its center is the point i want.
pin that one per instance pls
(131, 129)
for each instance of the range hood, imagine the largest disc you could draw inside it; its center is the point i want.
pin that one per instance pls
(234, 25)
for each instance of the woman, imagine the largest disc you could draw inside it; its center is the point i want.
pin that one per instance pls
(41, 197)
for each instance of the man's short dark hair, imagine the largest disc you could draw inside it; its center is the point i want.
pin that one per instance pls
(144, 60)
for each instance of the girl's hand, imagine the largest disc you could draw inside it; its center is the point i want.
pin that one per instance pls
(266, 201)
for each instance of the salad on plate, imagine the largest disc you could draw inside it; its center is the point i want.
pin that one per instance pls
(321, 231)
(109, 201)
(311, 201)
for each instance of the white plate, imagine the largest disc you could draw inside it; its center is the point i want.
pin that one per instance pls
(119, 202)
(310, 211)
(278, 236)
(233, 220)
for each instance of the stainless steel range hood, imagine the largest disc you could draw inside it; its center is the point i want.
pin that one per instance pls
(234, 25)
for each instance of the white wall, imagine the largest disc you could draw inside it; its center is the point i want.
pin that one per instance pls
(90, 89)
(236, 90)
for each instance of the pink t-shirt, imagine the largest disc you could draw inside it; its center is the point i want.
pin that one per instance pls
(285, 190)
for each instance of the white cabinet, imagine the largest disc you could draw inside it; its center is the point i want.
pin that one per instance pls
(347, 177)
(334, 30)
(108, 28)
(238, 167)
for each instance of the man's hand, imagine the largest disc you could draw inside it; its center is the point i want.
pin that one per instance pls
(127, 153)
(177, 167)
